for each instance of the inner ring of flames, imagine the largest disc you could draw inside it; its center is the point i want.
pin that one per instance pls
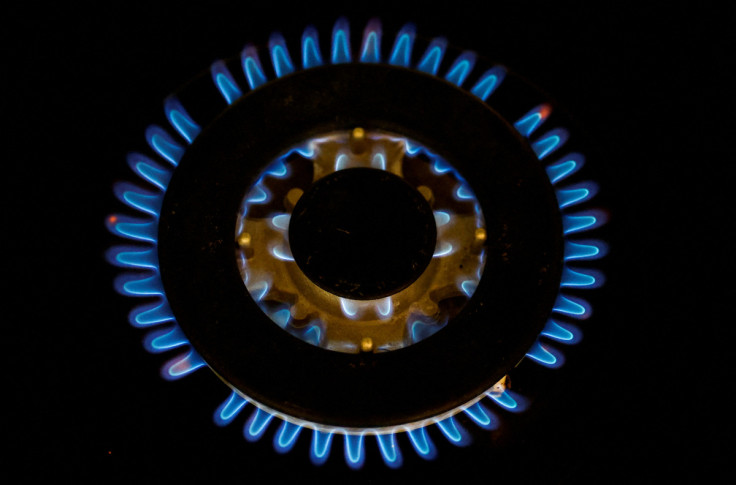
(317, 316)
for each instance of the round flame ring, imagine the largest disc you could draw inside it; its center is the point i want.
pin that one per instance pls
(142, 256)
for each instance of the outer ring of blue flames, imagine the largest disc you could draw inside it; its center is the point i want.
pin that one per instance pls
(165, 335)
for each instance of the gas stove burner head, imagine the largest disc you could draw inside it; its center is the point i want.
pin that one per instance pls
(355, 242)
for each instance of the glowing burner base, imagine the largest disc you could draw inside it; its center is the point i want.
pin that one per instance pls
(361, 242)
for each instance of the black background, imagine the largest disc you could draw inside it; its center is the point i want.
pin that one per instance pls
(637, 401)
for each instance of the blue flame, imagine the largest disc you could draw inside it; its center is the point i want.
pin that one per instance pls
(585, 250)
(286, 437)
(455, 433)
(349, 308)
(306, 151)
(278, 169)
(259, 290)
(482, 416)
(258, 195)
(469, 287)
(416, 149)
(565, 167)
(280, 58)
(151, 314)
(572, 307)
(149, 170)
(252, 67)
(422, 444)
(165, 339)
(566, 333)
(312, 335)
(432, 57)
(403, 45)
(509, 400)
(341, 42)
(257, 424)
(146, 283)
(550, 142)
(581, 278)
(354, 450)
(139, 199)
(132, 257)
(281, 221)
(443, 249)
(389, 450)
(441, 218)
(341, 162)
(225, 82)
(321, 444)
(370, 51)
(385, 307)
(379, 161)
(281, 317)
(461, 68)
(182, 366)
(440, 166)
(180, 119)
(135, 284)
(463, 192)
(527, 124)
(576, 195)
(282, 252)
(229, 409)
(582, 221)
(420, 330)
(311, 55)
(545, 355)
(163, 144)
(489, 82)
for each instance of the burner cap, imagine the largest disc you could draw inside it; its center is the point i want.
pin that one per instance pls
(362, 233)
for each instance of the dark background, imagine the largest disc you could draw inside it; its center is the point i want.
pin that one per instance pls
(637, 401)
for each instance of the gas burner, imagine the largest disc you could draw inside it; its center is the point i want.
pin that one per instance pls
(360, 241)
(359, 244)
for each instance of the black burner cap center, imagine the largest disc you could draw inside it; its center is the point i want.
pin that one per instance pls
(362, 233)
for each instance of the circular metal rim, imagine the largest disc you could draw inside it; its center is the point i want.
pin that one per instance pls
(241, 344)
